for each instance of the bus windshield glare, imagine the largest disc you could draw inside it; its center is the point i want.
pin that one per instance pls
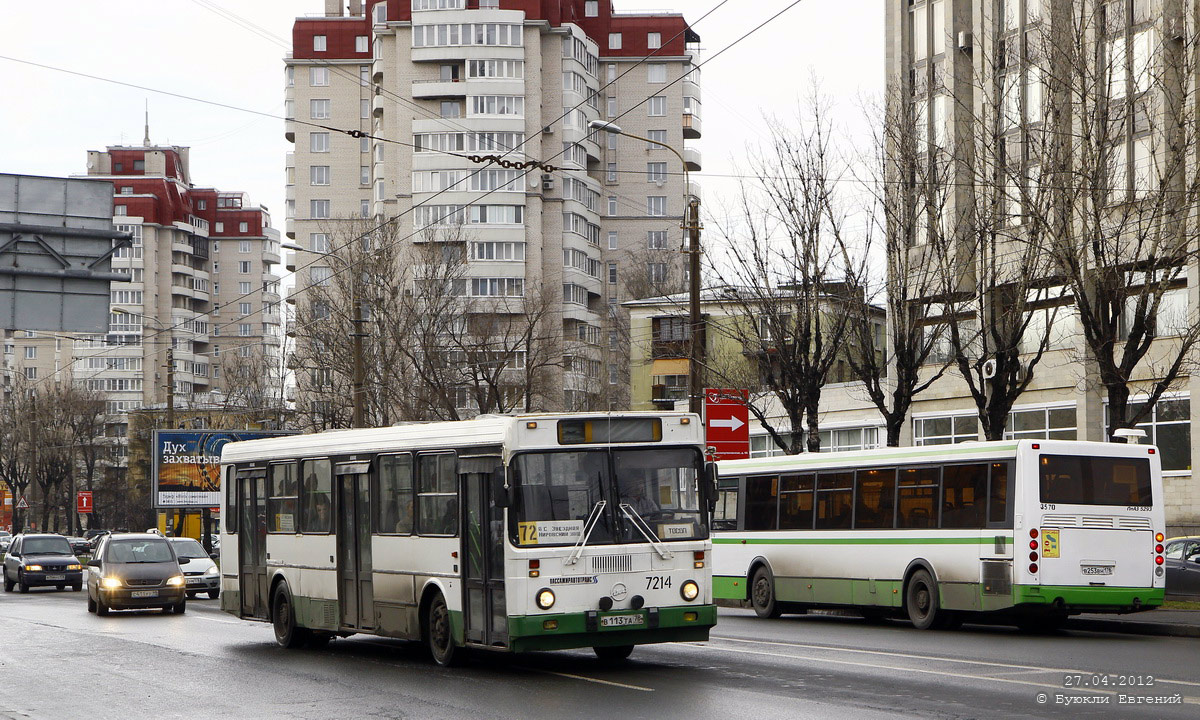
(556, 492)
(1079, 480)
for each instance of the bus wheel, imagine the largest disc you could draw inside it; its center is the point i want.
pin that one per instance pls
(762, 594)
(439, 634)
(921, 601)
(613, 653)
(283, 618)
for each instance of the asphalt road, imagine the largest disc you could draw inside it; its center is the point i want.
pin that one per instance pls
(57, 661)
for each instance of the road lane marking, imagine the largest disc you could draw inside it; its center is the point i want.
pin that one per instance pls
(589, 679)
(937, 658)
(218, 620)
(941, 673)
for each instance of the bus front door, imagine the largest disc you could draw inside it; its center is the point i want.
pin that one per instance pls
(252, 543)
(485, 616)
(355, 593)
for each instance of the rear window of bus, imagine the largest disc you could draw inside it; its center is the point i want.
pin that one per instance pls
(1076, 480)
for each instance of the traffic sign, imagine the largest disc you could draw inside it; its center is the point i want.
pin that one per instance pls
(83, 502)
(22, 505)
(727, 423)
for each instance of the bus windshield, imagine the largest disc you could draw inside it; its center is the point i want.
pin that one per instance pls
(557, 492)
(1078, 480)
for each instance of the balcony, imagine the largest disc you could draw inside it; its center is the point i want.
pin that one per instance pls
(289, 131)
(691, 125)
(691, 158)
(433, 89)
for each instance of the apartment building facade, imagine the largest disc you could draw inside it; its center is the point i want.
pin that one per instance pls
(201, 284)
(983, 83)
(433, 83)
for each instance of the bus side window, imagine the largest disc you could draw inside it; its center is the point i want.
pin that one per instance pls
(231, 506)
(281, 498)
(762, 503)
(725, 514)
(963, 492)
(796, 502)
(875, 498)
(316, 488)
(437, 495)
(835, 500)
(916, 497)
(393, 502)
(998, 503)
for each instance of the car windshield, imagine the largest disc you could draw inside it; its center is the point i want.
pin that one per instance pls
(46, 546)
(135, 551)
(556, 492)
(189, 548)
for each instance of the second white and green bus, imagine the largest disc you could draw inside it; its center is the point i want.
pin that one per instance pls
(507, 533)
(1028, 532)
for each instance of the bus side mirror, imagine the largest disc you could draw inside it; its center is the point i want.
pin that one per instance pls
(499, 492)
(710, 482)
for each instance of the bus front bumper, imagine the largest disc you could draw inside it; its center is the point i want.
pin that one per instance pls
(593, 628)
(1075, 599)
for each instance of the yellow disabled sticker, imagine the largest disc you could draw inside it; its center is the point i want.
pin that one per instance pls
(1050, 543)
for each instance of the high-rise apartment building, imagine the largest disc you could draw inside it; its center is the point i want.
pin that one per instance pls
(432, 83)
(201, 284)
(1064, 133)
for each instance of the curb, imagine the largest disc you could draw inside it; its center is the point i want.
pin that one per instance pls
(1133, 627)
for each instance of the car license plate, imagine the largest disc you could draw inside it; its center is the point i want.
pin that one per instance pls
(143, 593)
(1097, 569)
(194, 581)
(56, 577)
(622, 620)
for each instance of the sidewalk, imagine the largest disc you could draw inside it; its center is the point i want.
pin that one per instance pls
(1173, 623)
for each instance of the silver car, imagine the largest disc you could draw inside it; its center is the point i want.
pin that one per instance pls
(200, 573)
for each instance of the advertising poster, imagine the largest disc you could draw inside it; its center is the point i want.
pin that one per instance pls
(187, 465)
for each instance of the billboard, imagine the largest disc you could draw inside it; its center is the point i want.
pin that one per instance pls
(186, 465)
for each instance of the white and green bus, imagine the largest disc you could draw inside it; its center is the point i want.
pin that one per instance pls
(1028, 531)
(509, 533)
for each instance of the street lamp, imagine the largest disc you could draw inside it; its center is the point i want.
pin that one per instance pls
(357, 395)
(691, 223)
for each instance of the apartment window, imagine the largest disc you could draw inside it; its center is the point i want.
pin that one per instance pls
(612, 239)
(656, 172)
(656, 239)
(318, 242)
(319, 275)
(656, 272)
(126, 190)
(843, 439)
(612, 141)
(656, 73)
(364, 108)
(1044, 423)
(451, 109)
(591, 8)
(318, 43)
(364, 175)
(1169, 427)
(244, 246)
(244, 227)
(319, 175)
(318, 142)
(31, 373)
(614, 41)
(945, 430)
(612, 205)
(318, 109)
(364, 75)
(656, 106)
(612, 108)
(612, 273)
(244, 309)
(364, 208)
(120, 210)
(30, 352)
(609, 176)
(653, 40)
(289, 175)
(244, 329)
(380, 11)
(219, 227)
(360, 44)
(656, 205)
(659, 138)
(243, 288)
(289, 75)
(612, 72)
(318, 209)
(244, 267)
(364, 145)
(318, 76)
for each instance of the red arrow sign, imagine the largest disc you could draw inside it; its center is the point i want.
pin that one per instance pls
(83, 502)
(727, 423)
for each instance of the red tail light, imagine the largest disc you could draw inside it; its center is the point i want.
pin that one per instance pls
(1033, 544)
(535, 564)
(1150, 450)
(1033, 568)
(698, 555)
(1158, 548)
(1033, 557)
(1033, 532)
(1158, 559)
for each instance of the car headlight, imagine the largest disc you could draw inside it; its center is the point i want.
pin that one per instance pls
(545, 598)
(33, 568)
(212, 570)
(111, 583)
(74, 567)
(176, 581)
(689, 590)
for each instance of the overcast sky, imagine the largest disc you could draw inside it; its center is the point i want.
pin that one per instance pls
(49, 120)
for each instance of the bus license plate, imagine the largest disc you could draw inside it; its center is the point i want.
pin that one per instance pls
(1097, 569)
(143, 593)
(56, 577)
(622, 620)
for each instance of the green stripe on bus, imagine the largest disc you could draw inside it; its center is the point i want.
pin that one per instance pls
(989, 540)
(1078, 596)
(830, 458)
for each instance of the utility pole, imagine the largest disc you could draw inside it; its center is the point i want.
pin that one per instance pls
(698, 339)
(359, 419)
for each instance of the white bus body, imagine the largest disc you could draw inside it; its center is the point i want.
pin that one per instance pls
(1031, 530)
(484, 533)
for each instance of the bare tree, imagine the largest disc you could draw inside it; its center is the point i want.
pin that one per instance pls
(786, 270)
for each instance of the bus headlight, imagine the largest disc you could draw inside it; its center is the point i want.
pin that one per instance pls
(545, 598)
(689, 590)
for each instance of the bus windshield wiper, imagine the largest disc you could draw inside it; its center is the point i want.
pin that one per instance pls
(586, 532)
(644, 528)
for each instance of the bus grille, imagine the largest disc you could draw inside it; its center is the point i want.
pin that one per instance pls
(1093, 521)
(612, 563)
(1134, 523)
(1059, 521)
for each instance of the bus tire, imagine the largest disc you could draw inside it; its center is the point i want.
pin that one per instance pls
(762, 594)
(921, 600)
(613, 653)
(439, 633)
(283, 620)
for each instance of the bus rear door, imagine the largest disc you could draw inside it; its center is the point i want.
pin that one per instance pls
(252, 541)
(355, 592)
